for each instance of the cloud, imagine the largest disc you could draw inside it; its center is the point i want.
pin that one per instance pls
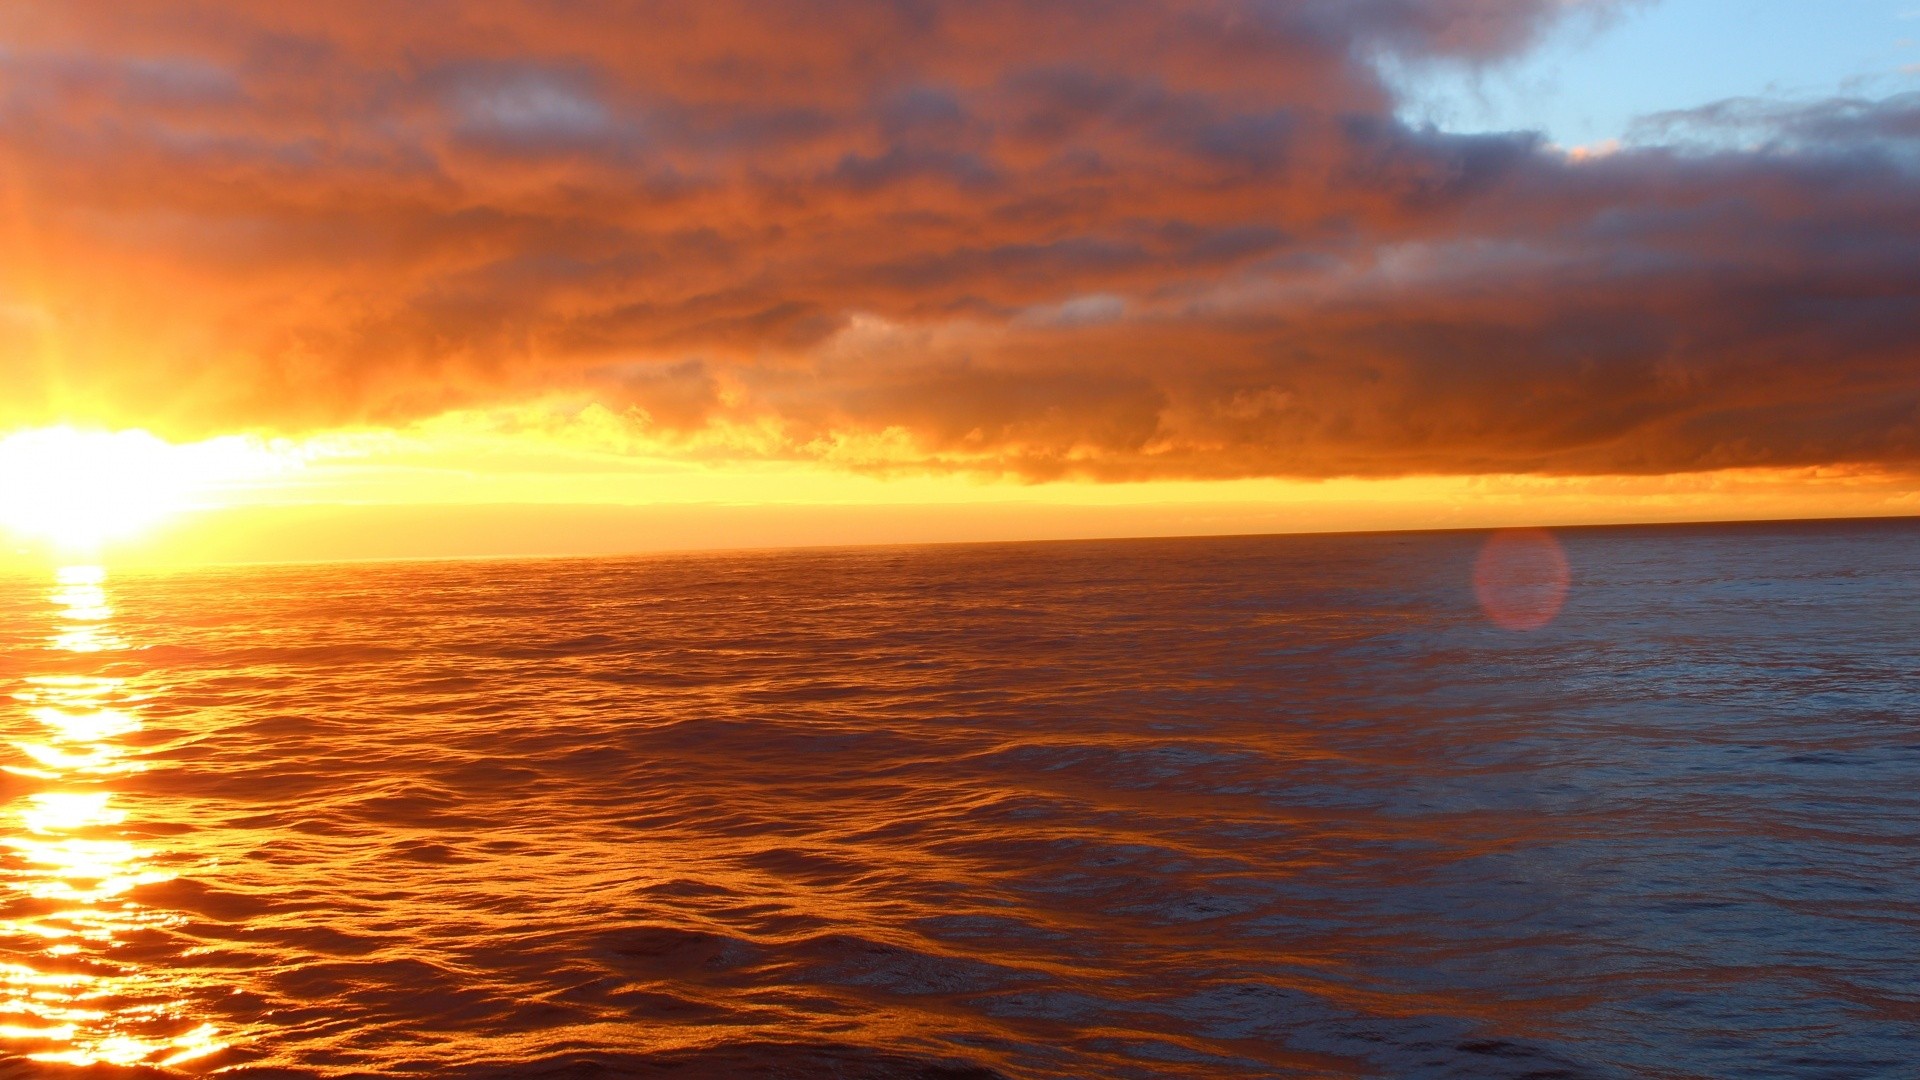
(1132, 239)
(1888, 126)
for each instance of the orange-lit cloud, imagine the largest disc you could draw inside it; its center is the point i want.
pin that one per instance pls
(1121, 240)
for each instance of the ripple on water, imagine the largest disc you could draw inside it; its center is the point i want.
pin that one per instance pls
(1201, 808)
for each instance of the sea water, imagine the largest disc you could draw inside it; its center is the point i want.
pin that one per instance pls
(1242, 807)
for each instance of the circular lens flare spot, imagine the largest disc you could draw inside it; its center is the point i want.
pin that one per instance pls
(1521, 578)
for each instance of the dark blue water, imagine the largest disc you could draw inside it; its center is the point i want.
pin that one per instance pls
(1243, 807)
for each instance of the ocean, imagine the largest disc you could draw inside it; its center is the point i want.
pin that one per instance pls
(1226, 807)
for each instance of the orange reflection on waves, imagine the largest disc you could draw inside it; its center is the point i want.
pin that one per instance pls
(69, 869)
(81, 596)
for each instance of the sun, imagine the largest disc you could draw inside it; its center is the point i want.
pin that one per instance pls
(78, 489)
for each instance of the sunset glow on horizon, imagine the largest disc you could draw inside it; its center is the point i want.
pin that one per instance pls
(420, 492)
(78, 489)
(987, 539)
(1255, 257)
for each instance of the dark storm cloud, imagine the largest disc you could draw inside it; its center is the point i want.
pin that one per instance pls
(1122, 239)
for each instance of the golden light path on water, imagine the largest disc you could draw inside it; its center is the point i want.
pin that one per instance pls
(69, 867)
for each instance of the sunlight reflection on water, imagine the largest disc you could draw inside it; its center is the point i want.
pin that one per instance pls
(69, 867)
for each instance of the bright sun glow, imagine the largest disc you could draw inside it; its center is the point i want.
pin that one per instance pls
(78, 489)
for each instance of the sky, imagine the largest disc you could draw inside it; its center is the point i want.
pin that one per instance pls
(1592, 80)
(494, 277)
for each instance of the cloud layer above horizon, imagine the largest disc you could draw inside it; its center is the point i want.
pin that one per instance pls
(1121, 240)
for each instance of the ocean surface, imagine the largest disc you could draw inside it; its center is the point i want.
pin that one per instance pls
(1247, 807)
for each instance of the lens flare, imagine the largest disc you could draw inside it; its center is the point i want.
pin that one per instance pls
(1521, 578)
